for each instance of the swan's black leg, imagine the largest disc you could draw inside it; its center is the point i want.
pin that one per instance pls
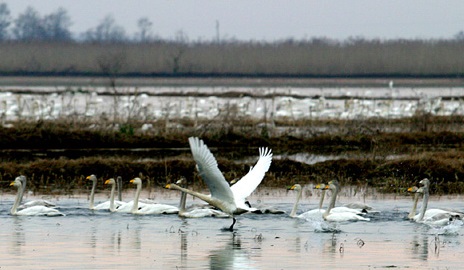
(231, 228)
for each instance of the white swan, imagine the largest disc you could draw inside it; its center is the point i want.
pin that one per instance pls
(308, 214)
(317, 212)
(113, 205)
(92, 206)
(149, 208)
(37, 210)
(46, 203)
(222, 195)
(196, 212)
(438, 217)
(338, 216)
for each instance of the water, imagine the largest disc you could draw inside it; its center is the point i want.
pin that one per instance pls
(87, 239)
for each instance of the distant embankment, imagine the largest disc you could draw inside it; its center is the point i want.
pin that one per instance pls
(405, 59)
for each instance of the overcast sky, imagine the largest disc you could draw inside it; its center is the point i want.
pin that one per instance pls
(266, 19)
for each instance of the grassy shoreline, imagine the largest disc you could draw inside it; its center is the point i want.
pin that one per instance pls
(388, 161)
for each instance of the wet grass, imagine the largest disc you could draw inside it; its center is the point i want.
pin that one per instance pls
(388, 161)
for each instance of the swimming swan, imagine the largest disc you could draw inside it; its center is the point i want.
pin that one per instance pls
(195, 212)
(230, 200)
(92, 206)
(338, 216)
(149, 208)
(113, 205)
(46, 203)
(36, 210)
(317, 212)
(437, 217)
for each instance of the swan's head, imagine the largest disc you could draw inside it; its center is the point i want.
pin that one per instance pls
(16, 182)
(110, 181)
(425, 182)
(91, 177)
(332, 185)
(413, 189)
(320, 186)
(136, 181)
(295, 187)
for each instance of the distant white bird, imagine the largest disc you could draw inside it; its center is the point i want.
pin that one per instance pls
(222, 196)
(37, 210)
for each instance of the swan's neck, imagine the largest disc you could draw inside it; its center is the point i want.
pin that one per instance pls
(425, 201)
(135, 207)
(23, 189)
(332, 203)
(206, 198)
(119, 183)
(92, 195)
(414, 206)
(297, 201)
(17, 201)
(112, 208)
(322, 199)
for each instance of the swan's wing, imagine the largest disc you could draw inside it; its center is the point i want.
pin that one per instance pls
(208, 168)
(245, 186)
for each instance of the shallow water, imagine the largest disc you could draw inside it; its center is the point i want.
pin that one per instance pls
(87, 239)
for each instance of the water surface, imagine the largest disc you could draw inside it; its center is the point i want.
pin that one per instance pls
(87, 239)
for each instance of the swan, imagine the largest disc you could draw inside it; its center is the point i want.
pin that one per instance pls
(437, 217)
(230, 200)
(317, 212)
(195, 212)
(46, 203)
(92, 206)
(36, 210)
(338, 216)
(149, 208)
(113, 205)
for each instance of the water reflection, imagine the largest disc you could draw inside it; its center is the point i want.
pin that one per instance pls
(231, 255)
(19, 239)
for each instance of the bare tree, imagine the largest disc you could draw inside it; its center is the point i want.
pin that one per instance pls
(106, 31)
(28, 26)
(56, 25)
(144, 25)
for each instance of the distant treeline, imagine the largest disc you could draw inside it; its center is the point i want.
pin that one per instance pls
(315, 57)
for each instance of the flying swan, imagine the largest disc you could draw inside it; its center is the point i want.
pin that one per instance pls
(36, 210)
(230, 200)
(195, 212)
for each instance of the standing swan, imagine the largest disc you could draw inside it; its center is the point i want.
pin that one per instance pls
(36, 210)
(149, 208)
(338, 216)
(222, 196)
